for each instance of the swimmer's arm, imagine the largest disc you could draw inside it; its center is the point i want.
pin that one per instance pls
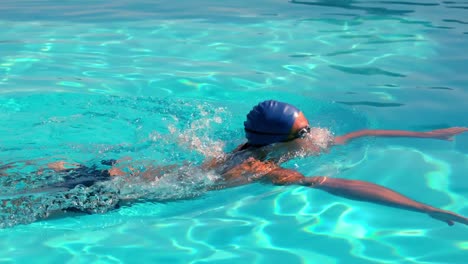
(362, 191)
(443, 134)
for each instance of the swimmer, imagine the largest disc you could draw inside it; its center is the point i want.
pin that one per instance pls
(277, 132)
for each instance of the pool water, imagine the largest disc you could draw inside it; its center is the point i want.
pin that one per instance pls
(170, 82)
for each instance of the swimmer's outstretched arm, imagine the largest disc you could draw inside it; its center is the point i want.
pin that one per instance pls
(362, 191)
(443, 134)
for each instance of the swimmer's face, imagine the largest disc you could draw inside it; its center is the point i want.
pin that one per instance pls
(301, 125)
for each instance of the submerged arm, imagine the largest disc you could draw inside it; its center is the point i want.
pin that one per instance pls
(362, 191)
(443, 134)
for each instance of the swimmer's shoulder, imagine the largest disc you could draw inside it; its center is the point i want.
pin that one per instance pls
(229, 160)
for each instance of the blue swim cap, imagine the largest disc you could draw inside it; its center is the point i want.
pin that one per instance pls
(270, 122)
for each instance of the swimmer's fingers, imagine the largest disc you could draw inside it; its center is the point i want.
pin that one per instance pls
(447, 133)
(448, 217)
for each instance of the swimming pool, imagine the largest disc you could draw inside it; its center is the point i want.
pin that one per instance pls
(92, 80)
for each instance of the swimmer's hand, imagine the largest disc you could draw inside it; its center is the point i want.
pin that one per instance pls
(448, 217)
(446, 133)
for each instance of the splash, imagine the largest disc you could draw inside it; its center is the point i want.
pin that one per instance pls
(195, 132)
(31, 207)
(144, 183)
(28, 193)
(152, 184)
(319, 140)
(198, 135)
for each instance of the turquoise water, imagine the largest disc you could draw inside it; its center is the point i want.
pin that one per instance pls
(171, 81)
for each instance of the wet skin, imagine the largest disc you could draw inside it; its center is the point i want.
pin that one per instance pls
(263, 164)
(268, 170)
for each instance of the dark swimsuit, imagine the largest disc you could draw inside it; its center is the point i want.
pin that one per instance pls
(86, 177)
(83, 175)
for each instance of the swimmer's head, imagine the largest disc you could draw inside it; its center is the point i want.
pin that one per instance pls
(272, 121)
